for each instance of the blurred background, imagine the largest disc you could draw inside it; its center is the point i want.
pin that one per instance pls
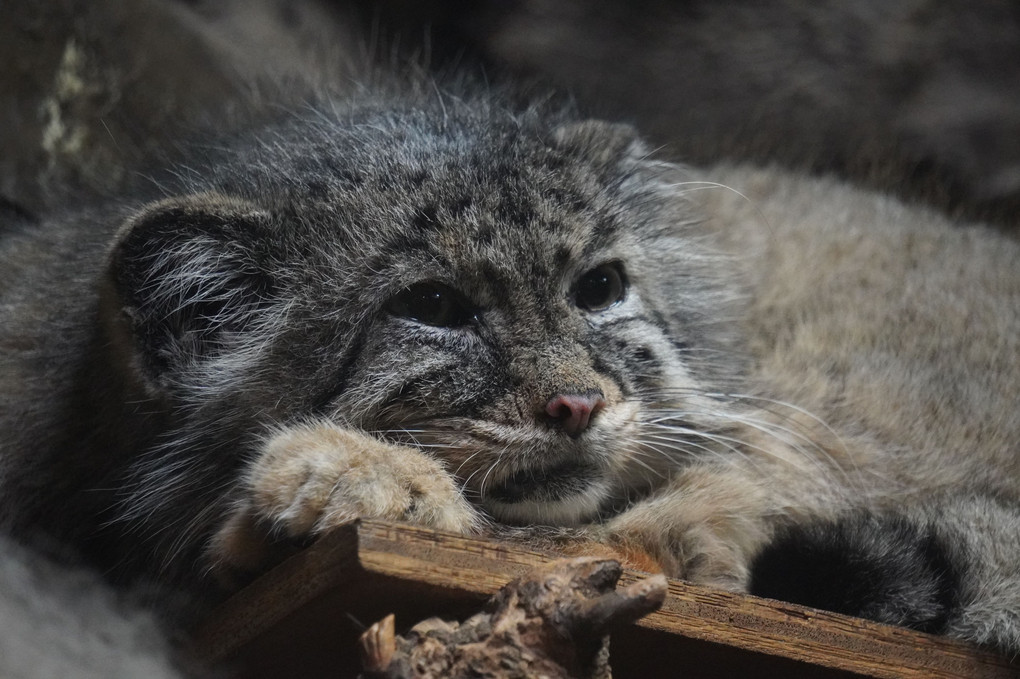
(916, 97)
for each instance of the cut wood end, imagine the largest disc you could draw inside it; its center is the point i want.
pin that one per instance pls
(598, 615)
(652, 590)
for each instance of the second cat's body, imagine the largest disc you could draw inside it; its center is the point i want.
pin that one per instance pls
(468, 314)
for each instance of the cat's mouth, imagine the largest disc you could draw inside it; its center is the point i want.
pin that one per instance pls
(552, 483)
(562, 494)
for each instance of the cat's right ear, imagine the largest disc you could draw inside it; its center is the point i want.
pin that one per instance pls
(600, 142)
(188, 276)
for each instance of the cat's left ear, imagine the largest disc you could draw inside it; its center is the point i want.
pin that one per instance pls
(601, 143)
(188, 277)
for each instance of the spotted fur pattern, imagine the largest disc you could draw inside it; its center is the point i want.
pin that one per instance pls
(194, 378)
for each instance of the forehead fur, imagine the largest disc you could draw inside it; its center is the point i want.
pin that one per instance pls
(469, 192)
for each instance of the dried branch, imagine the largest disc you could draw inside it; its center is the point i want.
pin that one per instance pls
(553, 622)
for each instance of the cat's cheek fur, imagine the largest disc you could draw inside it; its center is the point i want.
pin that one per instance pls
(310, 478)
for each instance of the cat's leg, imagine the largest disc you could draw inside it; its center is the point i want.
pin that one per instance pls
(948, 566)
(309, 478)
(705, 527)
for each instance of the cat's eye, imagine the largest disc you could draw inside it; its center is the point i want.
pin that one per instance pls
(601, 288)
(431, 304)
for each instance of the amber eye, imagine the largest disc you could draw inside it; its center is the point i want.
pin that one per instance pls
(601, 288)
(432, 304)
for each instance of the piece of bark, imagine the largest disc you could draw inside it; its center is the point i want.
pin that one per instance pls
(552, 623)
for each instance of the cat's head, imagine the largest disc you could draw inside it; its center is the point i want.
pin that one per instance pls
(529, 301)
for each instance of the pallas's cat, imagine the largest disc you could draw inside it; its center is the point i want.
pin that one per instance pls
(483, 317)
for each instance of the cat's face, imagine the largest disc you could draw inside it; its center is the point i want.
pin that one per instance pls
(522, 302)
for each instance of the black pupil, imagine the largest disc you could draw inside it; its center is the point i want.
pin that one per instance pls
(431, 304)
(600, 288)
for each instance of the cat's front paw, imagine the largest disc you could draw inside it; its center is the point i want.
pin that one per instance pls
(704, 528)
(311, 478)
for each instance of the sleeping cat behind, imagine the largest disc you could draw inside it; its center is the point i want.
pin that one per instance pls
(450, 309)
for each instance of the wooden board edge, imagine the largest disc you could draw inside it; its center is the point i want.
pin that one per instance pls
(479, 567)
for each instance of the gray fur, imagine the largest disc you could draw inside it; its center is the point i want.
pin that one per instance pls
(63, 622)
(195, 371)
(230, 303)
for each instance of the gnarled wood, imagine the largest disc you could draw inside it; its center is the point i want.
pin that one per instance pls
(552, 623)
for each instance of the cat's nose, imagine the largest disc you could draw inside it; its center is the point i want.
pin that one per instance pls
(574, 412)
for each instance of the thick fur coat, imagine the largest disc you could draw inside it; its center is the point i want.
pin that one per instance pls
(449, 303)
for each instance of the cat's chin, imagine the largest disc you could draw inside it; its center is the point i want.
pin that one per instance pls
(564, 495)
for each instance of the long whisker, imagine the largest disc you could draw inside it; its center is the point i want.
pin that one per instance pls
(492, 467)
(789, 406)
(729, 445)
(703, 185)
(634, 451)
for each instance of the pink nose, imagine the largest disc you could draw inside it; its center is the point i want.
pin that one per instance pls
(574, 412)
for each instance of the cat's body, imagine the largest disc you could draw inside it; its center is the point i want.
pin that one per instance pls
(858, 316)
(366, 308)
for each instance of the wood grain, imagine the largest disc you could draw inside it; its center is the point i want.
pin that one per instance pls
(362, 569)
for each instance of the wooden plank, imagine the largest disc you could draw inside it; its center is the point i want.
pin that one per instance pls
(362, 565)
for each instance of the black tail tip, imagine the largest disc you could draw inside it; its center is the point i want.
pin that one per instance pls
(883, 568)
